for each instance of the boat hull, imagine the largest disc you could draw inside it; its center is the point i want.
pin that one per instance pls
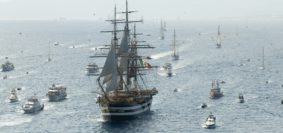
(209, 126)
(118, 112)
(33, 110)
(55, 98)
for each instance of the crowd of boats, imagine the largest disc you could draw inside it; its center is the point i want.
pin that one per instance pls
(32, 104)
(123, 93)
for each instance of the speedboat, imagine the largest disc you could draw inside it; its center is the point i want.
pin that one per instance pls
(56, 93)
(168, 68)
(32, 105)
(241, 98)
(92, 69)
(210, 122)
(13, 97)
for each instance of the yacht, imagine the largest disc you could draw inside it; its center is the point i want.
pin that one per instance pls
(13, 97)
(56, 93)
(210, 122)
(32, 105)
(92, 69)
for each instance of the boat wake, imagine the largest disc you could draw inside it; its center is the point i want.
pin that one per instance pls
(79, 46)
(161, 55)
(12, 120)
(95, 118)
(182, 64)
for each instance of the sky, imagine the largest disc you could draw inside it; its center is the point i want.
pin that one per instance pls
(148, 9)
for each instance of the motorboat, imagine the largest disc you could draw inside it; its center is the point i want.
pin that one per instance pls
(32, 105)
(13, 96)
(92, 69)
(168, 68)
(57, 93)
(210, 122)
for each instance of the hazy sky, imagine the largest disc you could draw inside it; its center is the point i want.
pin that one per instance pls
(149, 9)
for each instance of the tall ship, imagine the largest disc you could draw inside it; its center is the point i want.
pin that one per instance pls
(175, 55)
(215, 91)
(218, 42)
(124, 94)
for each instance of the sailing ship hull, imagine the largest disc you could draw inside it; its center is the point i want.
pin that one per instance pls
(121, 112)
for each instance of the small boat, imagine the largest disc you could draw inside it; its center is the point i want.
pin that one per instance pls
(92, 69)
(203, 105)
(32, 105)
(241, 98)
(175, 90)
(56, 43)
(210, 122)
(56, 93)
(13, 97)
(215, 91)
(168, 68)
(7, 66)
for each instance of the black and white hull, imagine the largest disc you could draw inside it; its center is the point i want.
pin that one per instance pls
(116, 112)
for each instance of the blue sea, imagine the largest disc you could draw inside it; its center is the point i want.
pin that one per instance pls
(27, 44)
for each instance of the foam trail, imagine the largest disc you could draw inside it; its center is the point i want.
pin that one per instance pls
(12, 120)
(160, 55)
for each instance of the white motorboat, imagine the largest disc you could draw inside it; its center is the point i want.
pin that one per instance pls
(13, 97)
(32, 105)
(57, 93)
(210, 122)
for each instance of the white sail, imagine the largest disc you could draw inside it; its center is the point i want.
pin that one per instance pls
(109, 71)
(218, 37)
(124, 52)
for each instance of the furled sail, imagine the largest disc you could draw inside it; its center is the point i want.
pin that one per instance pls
(109, 71)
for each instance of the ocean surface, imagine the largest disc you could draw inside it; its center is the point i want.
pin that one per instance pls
(200, 63)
